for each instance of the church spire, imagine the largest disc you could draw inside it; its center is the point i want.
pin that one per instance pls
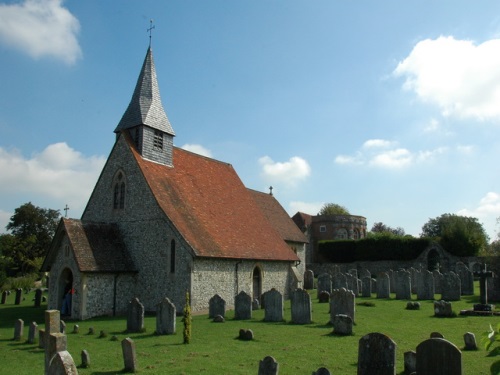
(145, 108)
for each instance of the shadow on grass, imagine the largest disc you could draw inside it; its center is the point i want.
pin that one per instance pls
(495, 368)
(110, 372)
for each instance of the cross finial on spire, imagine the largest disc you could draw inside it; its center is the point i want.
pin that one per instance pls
(66, 209)
(270, 190)
(151, 27)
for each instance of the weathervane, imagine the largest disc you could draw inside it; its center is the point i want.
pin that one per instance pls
(151, 27)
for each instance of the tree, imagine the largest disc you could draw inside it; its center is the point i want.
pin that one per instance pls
(459, 235)
(382, 228)
(333, 209)
(32, 229)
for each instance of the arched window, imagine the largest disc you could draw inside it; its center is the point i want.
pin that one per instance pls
(172, 256)
(119, 189)
(341, 234)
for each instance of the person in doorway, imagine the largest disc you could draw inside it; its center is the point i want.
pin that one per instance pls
(68, 295)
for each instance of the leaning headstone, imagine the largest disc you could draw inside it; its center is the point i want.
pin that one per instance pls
(403, 285)
(322, 371)
(438, 356)
(38, 297)
(216, 306)
(18, 330)
(242, 306)
(301, 307)
(443, 309)
(19, 295)
(324, 283)
(366, 289)
(425, 285)
(268, 366)
(466, 279)
(135, 316)
(85, 359)
(450, 287)
(377, 355)
(165, 317)
(273, 305)
(383, 285)
(309, 280)
(410, 359)
(470, 341)
(342, 301)
(129, 356)
(4, 297)
(62, 364)
(342, 325)
(32, 333)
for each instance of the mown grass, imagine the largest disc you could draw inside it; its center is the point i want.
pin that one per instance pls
(215, 348)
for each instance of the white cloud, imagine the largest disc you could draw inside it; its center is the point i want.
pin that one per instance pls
(377, 143)
(58, 172)
(392, 159)
(288, 173)
(460, 77)
(197, 149)
(487, 211)
(41, 28)
(311, 208)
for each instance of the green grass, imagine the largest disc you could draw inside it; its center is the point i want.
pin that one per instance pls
(215, 349)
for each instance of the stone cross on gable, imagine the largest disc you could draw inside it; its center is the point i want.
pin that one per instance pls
(483, 275)
(66, 209)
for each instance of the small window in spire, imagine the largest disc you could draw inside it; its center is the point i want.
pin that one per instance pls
(158, 140)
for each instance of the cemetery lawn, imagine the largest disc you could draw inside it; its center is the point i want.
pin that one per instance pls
(215, 349)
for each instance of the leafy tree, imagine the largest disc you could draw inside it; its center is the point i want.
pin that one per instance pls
(459, 235)
(382, 228)
(333, 209)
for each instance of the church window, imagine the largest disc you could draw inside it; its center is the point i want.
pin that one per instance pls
(172, 256)
(122, 195)
(119, 192)
(322, 228)
(158, 140)
(66, 250)
(341, 234)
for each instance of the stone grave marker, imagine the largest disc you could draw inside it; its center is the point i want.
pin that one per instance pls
(324, 283)
(438, 278)
(342, 325)
(425, 285)
(443, 309)
(85, 356)
(19, 296)
(135, 316)
(52, 326)
(438, 356)
(309, 280)
(165, 317)
(466, 279)
(4, 297)
(410, 359)
(352, 283)
(383, 285)
(342, 301)
(339, 280)
(403, 285)
(366, 289)
(470, 341)
(377, 355)
(436, 335)
(129, 356)
(246, 334)
(242, 306)
(324, 297)
(38, 297)
(450, 287)
(57, 343)
(268, 366)
(62, 364)
(301, 307)
(18, 330)
(273, 305)
(32, 333)
(392, 279)
(216, 306)
(322, 371)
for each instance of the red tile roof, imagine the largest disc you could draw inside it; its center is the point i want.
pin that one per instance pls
(211, 208)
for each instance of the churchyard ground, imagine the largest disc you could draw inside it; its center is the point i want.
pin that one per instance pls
(215, 349)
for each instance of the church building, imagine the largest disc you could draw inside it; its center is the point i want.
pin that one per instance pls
(162, 221)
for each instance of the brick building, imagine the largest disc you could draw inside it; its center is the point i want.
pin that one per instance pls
(162, 221)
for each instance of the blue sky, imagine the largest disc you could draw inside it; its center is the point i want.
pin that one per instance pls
(389, 108)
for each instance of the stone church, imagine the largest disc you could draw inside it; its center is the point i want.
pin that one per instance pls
(162, 221)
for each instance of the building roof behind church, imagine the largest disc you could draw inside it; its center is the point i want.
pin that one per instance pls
(145, 107)
(211, 208)
(277, 215)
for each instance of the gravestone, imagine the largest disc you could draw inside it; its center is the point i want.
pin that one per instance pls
(135, 316)
(273, 305)
(342, 301)
(18, 330)
(242, 306)
(62, 364)
(470, 341)
(436, 335)
(466, 279)
(52, 326)
(339, 281)
(492, 289)
(392, 278)
(246, 334)
(377, 355)
(352, 283)
(309, 280)
(342, 324)
(165, 317)
(324, 297)
(414, 275)
(484, 275)
(438, 356)
(32, 333)
(19, 296)
(57, 343)
(4, 297)
(438, 278)
(255, 304)
(365, 273)
(324, 283)
(353, 272)
(410, 359)
(403, 284)
(129, 356)
(450, 287)
(425, 286)
(38, 297)
(322, 371)
(62, 325)
(383, 285)
(301, 307)
(76, 328)
(366, 289)
(85, 356)
(443, 309)
(41, 338)
(216, 306)
(268, 366)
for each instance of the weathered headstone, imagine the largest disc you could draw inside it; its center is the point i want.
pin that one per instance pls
(403, 284)
(268, 366)
(466, 279)
(246, 334)
(4, 297)
(309, 280)
(438, 278)
(322, 371)
(352, 283)
(62, 364)
(470, 341)
(38, 297)
(57, 342)
(342, 301)
(52, 326)
(273, 305)
(366, 289)
(410, 359)
(484, 275)
(443, 309)
(216, 306)
(41, 338)
(324, 297)
(85, 356)
(32, 333)
(76, 328)
(392, 278)
(324, 283)
(19, 296)
(383, 285)
(450, 287)
(301, 307)
(255, 304)
(18, 330)
(414, 275)
(377, 355)
(62, 325)
(342, 324)
(129, 356)
(165, 317)
(242, 306)
(339, 281)
(436, 335)
(425, 285)
(135, 316)
(438, 356)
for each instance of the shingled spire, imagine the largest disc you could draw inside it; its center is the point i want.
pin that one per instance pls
(146, 120)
